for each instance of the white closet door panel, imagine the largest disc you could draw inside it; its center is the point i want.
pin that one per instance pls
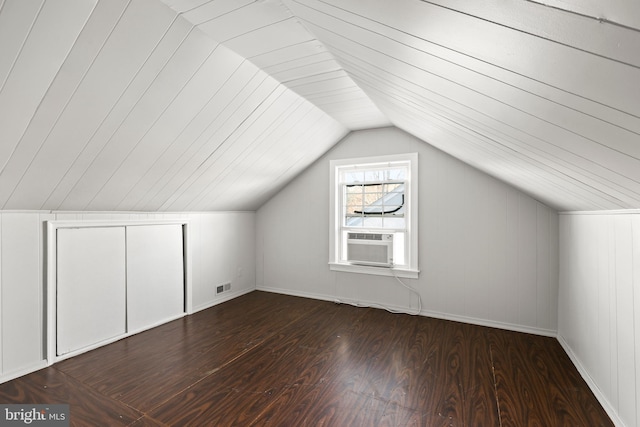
(91, 286)
(155, 277)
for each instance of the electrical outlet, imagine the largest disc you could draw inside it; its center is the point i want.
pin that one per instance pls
(219, 289)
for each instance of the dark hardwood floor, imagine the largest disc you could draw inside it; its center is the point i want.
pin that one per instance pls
(268, 359)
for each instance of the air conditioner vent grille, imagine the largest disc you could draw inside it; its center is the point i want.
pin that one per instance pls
(366, 236)
(370, 249)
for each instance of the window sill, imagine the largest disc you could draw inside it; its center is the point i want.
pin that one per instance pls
(378, 271)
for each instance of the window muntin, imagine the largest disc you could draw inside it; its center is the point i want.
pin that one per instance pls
(372, 197)
(389, 178)
(374, 203)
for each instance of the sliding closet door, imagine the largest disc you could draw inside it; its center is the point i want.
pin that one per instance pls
(90, 286)
(155, 275)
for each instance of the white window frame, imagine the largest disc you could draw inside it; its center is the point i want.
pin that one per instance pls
(410, 270)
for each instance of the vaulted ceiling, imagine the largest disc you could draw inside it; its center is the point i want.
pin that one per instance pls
(180, 105)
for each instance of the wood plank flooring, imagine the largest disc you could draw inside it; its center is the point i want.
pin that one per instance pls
(268, 359)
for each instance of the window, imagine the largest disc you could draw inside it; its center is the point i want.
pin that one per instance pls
(374, 215)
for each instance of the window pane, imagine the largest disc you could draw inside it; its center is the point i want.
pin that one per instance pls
(353, 197)
(374, 176)
(354, 189)
(354, 200)
(399, 174)
(372, 198)
(390, 222)
(395, 198)
(354, 221)
(372, 222)
(373, 189)
(390, 210)
(353, 176)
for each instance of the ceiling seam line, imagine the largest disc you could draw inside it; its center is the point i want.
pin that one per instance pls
(298, 122)
(195, 7)
(321, 73)
(259, 141)
(4, 82)
(73, 93)
(310, 108)
(532, 34)
(254, 111)
(453, 50)
(521, 141)
(206, 104)
(192, 176)
(445, 119)
(573, 12)
(298, 67)
(207, 127)
(269, 52)
(535, 176)
(117, 102)
(164, 110)
(217, 16)
(24, 42)
(256, 29)
(170, 145)
(64, 108)
(518, 88)
(489, 97)
(309, 132)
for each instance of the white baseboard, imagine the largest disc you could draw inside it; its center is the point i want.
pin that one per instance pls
(423, 312)
(222, 298)
(8, 376)
(295, 293)
(481, 322)
(43, 364)
(609, 409)
(492, 323)
(60, 358)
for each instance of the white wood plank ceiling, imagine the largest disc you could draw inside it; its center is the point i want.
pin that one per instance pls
(215, 104)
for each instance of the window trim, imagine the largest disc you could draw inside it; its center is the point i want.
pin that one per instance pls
(409, 271)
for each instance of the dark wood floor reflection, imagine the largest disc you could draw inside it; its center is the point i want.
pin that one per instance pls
(268, 359)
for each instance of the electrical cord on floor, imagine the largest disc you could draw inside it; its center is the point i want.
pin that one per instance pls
(390, 310)
(411, 290)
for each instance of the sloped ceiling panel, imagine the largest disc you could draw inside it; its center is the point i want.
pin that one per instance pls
(537, 96)
(35, 38)
(623, 12)
(125, 105)
(270, 36)
(216, 104)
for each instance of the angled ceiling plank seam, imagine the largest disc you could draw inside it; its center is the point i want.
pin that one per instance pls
(56, 103)
(369, 66)
(318, 14)
(122, 110)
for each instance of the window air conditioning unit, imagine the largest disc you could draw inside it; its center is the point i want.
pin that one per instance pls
(370, 249)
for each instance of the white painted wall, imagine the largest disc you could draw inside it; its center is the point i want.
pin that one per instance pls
(487, 252)
(599, 306)
(222, 251)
